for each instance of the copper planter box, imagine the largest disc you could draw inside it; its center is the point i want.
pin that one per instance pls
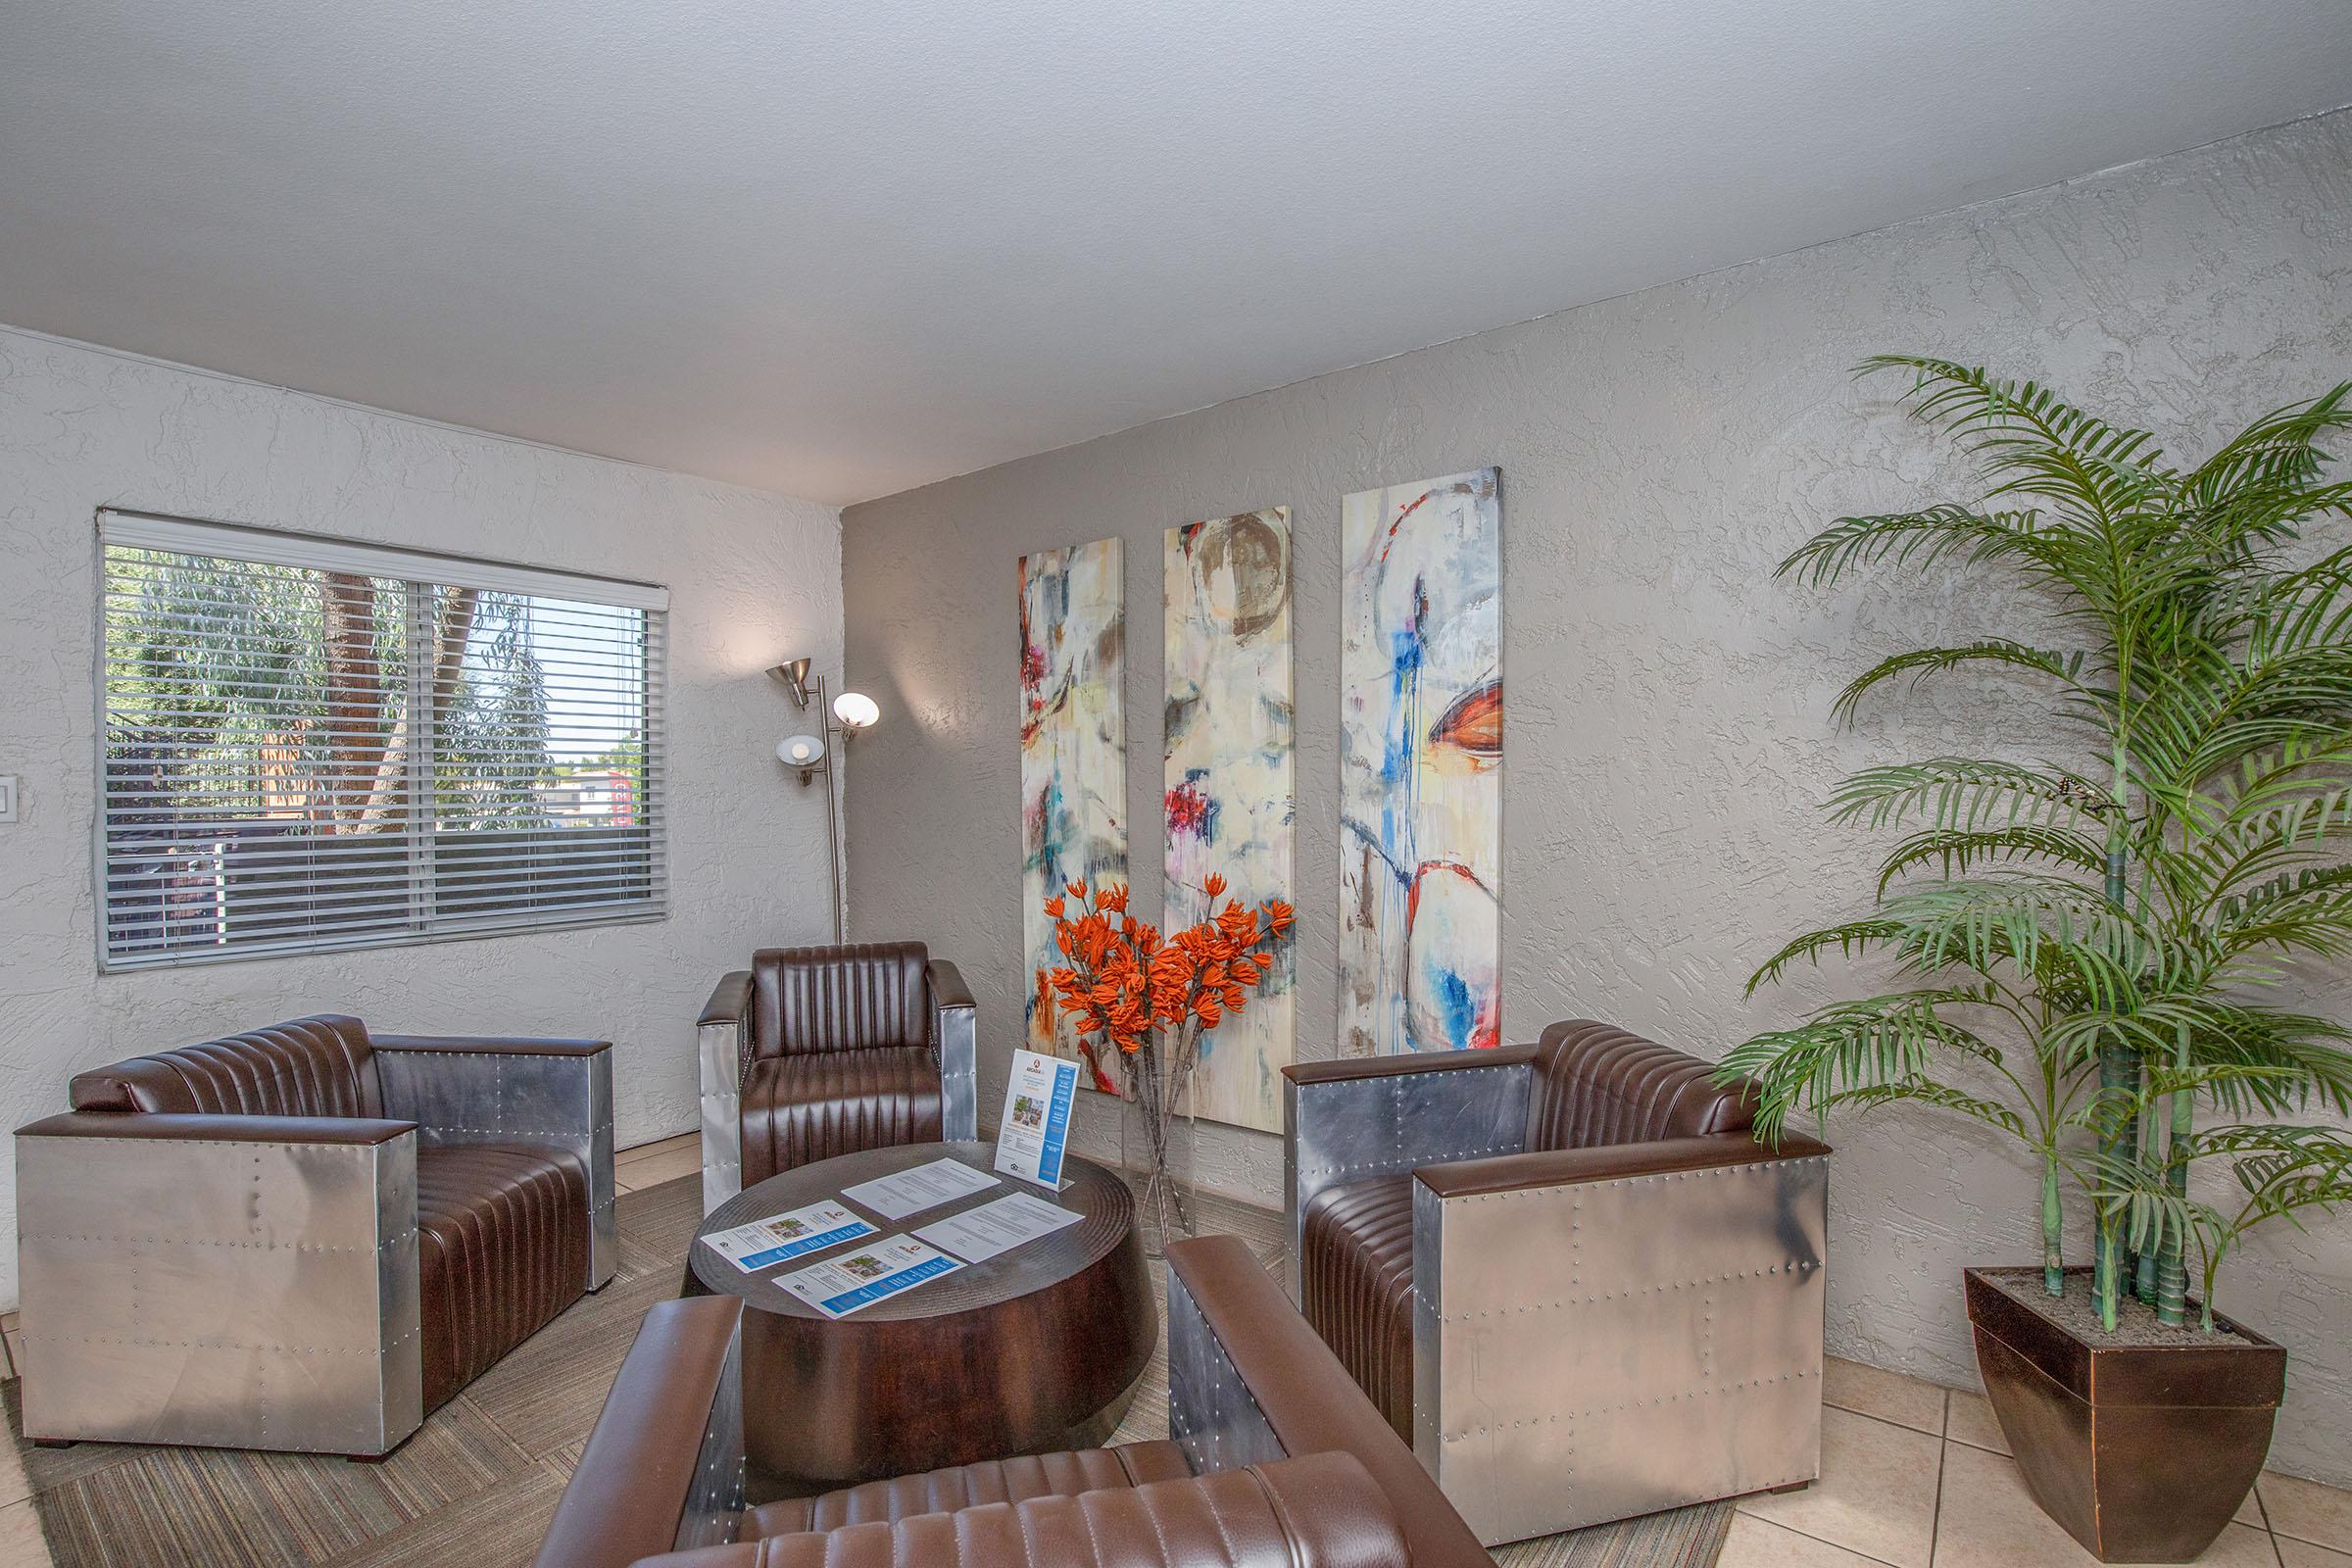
(2142, 1452)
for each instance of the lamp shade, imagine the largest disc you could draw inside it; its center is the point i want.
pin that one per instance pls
(856, 711)
(800, 751)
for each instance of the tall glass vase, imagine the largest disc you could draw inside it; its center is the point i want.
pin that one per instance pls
(1157, 1145)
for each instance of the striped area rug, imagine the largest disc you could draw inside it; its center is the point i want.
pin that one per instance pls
(479, 1481)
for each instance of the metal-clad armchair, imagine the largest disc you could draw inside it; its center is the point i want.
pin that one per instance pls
(305, 1237)
(1566, 1272)
(817, 1051)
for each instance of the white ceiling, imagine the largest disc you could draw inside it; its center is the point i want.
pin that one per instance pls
(838, 246)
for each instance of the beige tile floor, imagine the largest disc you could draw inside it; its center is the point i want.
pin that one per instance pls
(652, 1164)
(1916, 1476)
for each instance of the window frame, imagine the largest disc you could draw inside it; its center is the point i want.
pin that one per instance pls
(318, 552)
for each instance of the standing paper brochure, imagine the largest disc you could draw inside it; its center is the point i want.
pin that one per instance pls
(1034, 1132)
(786, 1237)
(842, 1284)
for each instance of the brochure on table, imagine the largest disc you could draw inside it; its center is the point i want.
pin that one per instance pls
(911, 1192)
(842, 1284)
(765, 1242)
(1034, 1132)
(979, 1233)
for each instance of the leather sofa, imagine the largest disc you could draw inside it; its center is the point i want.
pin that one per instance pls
(1593, 1216)
(307, 1236)
(817, 1051)
(1274, 1460)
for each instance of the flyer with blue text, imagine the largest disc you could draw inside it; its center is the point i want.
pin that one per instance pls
(840, 1286)
(787, 1236)
(1034, 1132)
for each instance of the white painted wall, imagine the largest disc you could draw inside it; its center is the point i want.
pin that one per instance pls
(754, 577)
(1669, 744)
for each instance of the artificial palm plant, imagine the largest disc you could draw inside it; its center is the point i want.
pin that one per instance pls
(2087, 945)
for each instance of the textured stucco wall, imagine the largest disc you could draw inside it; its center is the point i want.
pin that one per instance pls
(752, 577)
(1668, 737)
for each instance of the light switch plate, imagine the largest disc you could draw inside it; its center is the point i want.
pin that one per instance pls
(8, 796)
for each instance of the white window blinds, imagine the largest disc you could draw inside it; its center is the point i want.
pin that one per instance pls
(310, 744)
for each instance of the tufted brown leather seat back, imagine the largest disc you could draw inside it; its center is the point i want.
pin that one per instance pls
(316, 1067)
(1322, 1510)
(1594, 1084)
(808, 1001)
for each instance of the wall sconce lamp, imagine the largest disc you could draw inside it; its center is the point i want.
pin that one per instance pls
(808, 755)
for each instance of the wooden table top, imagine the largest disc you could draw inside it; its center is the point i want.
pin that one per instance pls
(1091, 1190)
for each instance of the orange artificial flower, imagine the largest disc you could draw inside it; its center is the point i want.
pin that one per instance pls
(1126, 978)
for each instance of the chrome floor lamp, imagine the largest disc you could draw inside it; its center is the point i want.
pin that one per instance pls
(811, 755)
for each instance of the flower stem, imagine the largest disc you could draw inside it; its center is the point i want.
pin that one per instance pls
(2053, 1254)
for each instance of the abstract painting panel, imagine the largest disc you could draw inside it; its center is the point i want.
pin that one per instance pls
(1420, 936)
(1229, 799)
(1073, 748)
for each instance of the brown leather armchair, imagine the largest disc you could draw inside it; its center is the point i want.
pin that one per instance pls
(817, 1051)
(1566, 1272)
(1274, 1460)
(307, 1237)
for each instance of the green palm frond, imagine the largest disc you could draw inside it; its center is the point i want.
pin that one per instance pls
(2153, 1215)
(1921, 663)
(1927, 1092)
(2274, 462)
(2318, 924)
(2248, 1056)
(2285, 1169)
(2022, 919)
(1921, 539)
(2243, 870)
(1956, 851)
(2235, 903)
(2308, 1051)
(1850, 940)
(1872, 1043)
(1967, 794)
(2025, 432)
(2274, 1143)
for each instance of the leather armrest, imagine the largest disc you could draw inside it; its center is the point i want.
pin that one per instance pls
(1571, 1167)
(354, 1131)
(1309, 1400)
(948, 988)
(730, 1000)
(629, 1490)
(490, 1045)
(1351, 1068)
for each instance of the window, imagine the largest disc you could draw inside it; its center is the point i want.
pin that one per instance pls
(310, 744)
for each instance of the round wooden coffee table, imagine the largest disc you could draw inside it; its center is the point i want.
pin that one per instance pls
(1031, 1351)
